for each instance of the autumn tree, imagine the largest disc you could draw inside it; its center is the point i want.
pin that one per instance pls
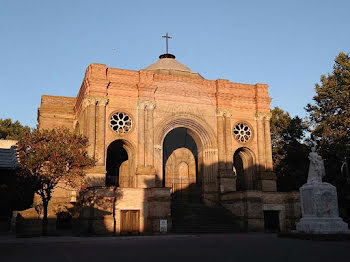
(12, 130)
(289, 150)
(48, 157)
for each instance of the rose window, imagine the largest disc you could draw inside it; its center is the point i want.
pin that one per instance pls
(121, 123)
(242, 132)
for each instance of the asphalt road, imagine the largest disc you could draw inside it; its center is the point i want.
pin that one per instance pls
(255, 247)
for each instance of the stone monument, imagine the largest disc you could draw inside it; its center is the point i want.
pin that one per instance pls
(319, 204)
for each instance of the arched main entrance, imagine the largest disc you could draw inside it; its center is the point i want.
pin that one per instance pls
(244, 165)
(119, 165)
(180, 165)
(205, 140)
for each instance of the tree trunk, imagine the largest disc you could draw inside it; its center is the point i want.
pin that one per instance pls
(45, 204)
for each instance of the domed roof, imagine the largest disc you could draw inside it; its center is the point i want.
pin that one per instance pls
(167, 64)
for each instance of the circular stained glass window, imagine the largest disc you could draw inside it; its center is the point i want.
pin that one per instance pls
(121, 123)
(242, 132)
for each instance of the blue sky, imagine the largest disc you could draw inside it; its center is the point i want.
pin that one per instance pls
(46, 45)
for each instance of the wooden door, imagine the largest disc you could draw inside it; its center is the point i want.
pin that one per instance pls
(130, 221)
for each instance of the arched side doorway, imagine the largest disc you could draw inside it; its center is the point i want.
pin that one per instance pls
(180, 164)
(244, 165)
(119, 165)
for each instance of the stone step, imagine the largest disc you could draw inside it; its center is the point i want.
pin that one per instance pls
(199, 218)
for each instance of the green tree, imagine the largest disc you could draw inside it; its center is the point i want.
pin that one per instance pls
(330, 112)
(330, 119)
(51, 156)
(280, 121)
(12, 130)
(289, 150)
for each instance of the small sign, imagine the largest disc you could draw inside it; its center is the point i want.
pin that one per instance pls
(163, 225)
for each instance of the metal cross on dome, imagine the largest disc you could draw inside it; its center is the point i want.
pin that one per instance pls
(166, 36)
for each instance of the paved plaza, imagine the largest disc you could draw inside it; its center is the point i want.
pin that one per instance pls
(180, 248)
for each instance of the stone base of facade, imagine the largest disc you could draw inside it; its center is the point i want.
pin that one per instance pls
(102, 211)
(268, 181)
(126, 210)
(314, 225)
(110, 210)
(251, 208)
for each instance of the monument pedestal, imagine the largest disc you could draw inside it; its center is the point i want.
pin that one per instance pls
(319, 207)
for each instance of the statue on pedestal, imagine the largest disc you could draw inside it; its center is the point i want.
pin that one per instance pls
(345, 168)
(319, 203)
(316, 168)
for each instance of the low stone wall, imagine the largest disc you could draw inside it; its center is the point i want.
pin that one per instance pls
(99, 217)
(98, 211)
(249, 207)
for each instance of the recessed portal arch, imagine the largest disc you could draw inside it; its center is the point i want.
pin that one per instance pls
(244, 165)
(180, 163)
(119, 164)
(199, 129)
(205, 140)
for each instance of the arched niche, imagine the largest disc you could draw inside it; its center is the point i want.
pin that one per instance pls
(180, 169)
(245, 169)
(120, 164)
(180, 165)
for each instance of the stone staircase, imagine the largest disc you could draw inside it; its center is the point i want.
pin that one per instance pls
(199, 218)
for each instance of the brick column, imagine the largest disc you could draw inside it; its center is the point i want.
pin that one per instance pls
(145, 172)
(100, 150)
(227, 181)
(261, 141)
(268, 146)
(89, 105)
(267, 177)
(221, 139)
(141, 133)
(228, 141)
(149, 134)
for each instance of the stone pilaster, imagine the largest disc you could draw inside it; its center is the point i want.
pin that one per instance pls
(259, 117)
(141, 133)
(228, 141)
(221, 139)
(100, 150)
(145, 170)
(149, 134)
(89, 106)
(267, 177)
(268, 146)
(94, 110)
(226, 180)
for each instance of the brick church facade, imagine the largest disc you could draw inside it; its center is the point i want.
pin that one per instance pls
(165, 139)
